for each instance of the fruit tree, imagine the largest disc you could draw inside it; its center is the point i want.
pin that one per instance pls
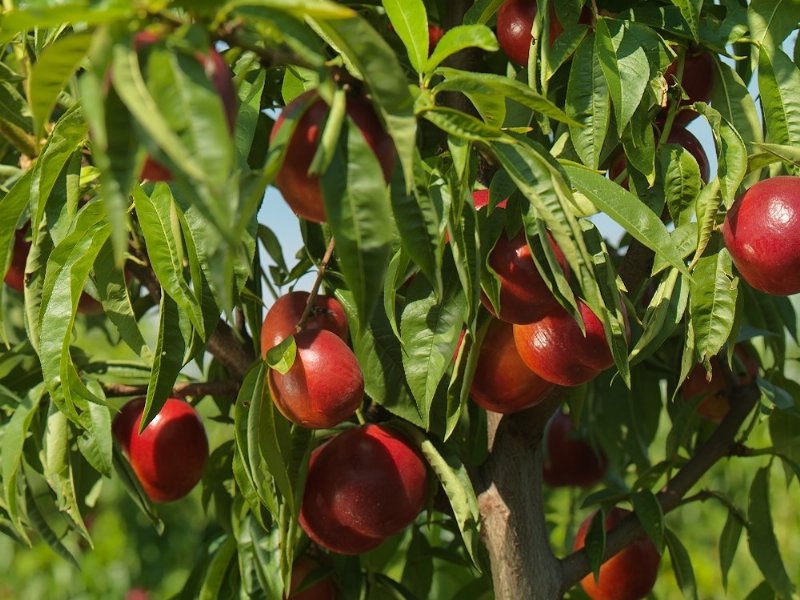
(467, 315)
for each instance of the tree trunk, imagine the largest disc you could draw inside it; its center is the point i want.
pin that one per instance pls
(512, 507)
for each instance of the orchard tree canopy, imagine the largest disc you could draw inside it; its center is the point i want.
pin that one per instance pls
(480, 366)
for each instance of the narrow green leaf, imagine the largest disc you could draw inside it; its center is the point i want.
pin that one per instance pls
(282, 356)
(713, 303)
(588, 104)
(648, 509)
(628, 211)
(779, 87)
(728, 544)
(170, 350)
(410, 21)
(663, 315)
(761, 536)
(595, 542)
(681, 565)
(53, 69)
(690, 9)
(459, 124)
(459, 38)
(215, 574)
(359, 215)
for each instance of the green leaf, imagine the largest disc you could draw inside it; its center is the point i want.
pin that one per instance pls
(359, 215)
(481, 11)
(681, 180)
(663, 315)
(459, 38)
(44, 15)
(681, 565)
(67, 271)
(648, 509)
(13, 107)
(130, 482)
(282, 356)
(732, 154)
(96, 443)
(418, 225)
(215, 574)
(269, 440)
(498, 86)
(453, 476)
(761, 536)
(170, 349)
(53, 69)
(459, 124)
(375, 61)
(595, 542)
(158, 221)
(771, 21)
(588, 104)
(410, 21)
(775, 394)
(728, 543)
(779, 87)
(430, 328)
(713, 303)
(381, 358)
(690, 10)
(770, 153)
(318, 9)
(628, 211)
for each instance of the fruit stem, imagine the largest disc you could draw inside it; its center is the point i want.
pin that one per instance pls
(312, 296)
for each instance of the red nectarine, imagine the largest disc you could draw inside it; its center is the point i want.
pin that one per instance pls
(570, 460)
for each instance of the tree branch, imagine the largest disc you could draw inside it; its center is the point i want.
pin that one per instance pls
(207, 388)
(511, 504)
(743, 398)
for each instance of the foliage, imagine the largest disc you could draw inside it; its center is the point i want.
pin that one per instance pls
(178, 268)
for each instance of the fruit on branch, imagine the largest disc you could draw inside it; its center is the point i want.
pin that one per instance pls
(762, 233)
(698, 77)
(554, 347)
(303, 569)
(301, 190)
(570, 460)
(284, 315)
(325, 384)
(524, 295)
(716, 391)
(502, 383)
(628, 575)
(363, 486)
(15, 276)
(218, 73)
(169, 456)
(514, 24)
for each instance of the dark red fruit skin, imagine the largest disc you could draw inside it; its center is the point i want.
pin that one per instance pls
(762, 233)
(324, 386)
(555, 349)
(698, 76)
(716, 393)
(363, 486)
(514, 24)
(284, 315)
(570, 461)
(170, 454)
(502, 383)
(435, 34)
(322, 590)
(15, 276)
(218, 72)
(301, 191)
(628, 575)
(524, 296)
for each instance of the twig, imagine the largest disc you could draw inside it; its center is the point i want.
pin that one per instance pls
(312, 296)
(743, 399)
(207, 388)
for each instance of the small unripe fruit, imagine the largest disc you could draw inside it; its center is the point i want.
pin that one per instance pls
(570, 461)
(502, 383)
(555, 348)
(628, 575)
(363, 486)
(302, 191)
(762, 233)
(325, 384)
(284, 315)
(169, 456)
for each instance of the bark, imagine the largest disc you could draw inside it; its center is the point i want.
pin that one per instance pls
(512, 506)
